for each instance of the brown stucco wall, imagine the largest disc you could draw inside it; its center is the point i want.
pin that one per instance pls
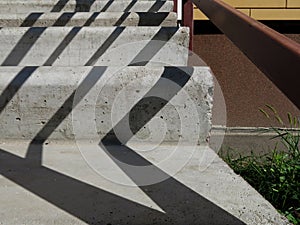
(245, 88)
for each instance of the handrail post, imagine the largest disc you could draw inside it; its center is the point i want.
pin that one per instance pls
(175, 6)
(188, 19)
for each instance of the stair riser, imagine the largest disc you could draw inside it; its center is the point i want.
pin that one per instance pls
(100, 46)
(71, 6)
(81, 18)
(180, 104)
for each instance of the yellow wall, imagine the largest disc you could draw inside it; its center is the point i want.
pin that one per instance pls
(262, 9)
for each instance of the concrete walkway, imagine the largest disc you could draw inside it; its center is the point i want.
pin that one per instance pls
(66, 190)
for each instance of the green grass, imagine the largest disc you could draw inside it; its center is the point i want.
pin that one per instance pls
(275, 175)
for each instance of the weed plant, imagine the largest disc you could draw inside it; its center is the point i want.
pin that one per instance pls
(275, 175)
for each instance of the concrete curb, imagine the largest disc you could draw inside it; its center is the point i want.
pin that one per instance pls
(245, 140)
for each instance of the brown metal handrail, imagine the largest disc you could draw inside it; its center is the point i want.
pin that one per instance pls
(277, 56)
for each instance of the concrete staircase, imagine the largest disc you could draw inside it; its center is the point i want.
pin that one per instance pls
(103, 122)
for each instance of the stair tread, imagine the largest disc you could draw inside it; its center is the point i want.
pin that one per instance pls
(88, 19)
(65, 46)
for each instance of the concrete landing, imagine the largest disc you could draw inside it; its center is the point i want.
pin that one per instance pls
(91, 19)
(66, 190)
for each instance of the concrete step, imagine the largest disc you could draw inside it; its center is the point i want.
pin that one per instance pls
(88, 18)
(70, 189)
(107, 46)
(40, 103)
(30, 6)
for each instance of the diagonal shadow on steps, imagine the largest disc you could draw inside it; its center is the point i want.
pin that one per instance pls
(64, 18)
(96, 206)
(33, 17)
(93, 205)
(75, 30)
(129, 7)
(62, 46)
(84, 5)
(30, 37)
(81, 5)
(156, 98)
(156, 6)
(145, 19)
(84, 201)
(106, 44)
(145, 55)
(33, 33)
(153, 46)
(126, 13)
(172, 196)
(12, 88)
(35, 149)
(107, 5)
(142, 20)
(91, 19)
(69, 37)
(23, 46)
(113, 36)
(59, 5)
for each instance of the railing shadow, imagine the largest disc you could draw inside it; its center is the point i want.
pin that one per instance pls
(93, 205)
(84, 201)
(32, 35)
